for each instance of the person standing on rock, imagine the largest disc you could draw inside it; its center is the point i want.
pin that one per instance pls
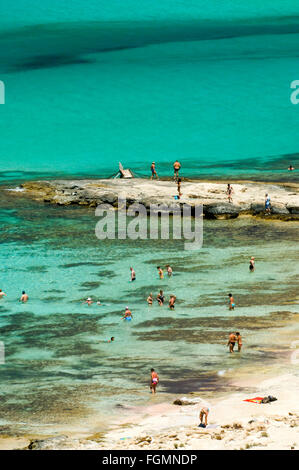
(267, 204)
(251, 264)
(153, 170)
(154, 381)
(229, 193)
(176, 167)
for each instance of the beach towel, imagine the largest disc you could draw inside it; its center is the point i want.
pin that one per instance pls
(255, 400)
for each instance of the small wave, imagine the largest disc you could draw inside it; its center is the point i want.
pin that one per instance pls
(17, 189)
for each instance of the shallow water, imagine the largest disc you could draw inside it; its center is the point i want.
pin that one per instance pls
(59, 366)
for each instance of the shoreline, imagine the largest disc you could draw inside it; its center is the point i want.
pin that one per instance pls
(248, 197)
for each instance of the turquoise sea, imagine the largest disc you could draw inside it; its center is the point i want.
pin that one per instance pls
(89, 84)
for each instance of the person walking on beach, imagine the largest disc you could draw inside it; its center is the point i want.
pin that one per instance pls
(160, 272)
(231, 342)
(267, 203)
(203, 415)
(251, 264)
(133, 274)
(176, 167)
(161, 298)
(127, 315)
(169, 270)
(24, 297)
(153, 170)
(154, 381)
(229, 193)
(232, 304)
(239, 339)
(2, 294)
(150, 299)
(172, 302)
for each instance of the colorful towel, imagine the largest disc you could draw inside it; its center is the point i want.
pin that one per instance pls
(255, 400)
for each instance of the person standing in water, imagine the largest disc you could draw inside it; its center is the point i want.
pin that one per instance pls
(229, 193)
(251, 264)
(239, 339)
(169, 270)
(231, 342)
(291, 168)
(2, 294)
(150, 299)
(172, 302)
(154, 381)
(127, 315)
(160, 272)
(24, 297)
(231, 302)
(160, 298)
(133, 274)
(153, 170)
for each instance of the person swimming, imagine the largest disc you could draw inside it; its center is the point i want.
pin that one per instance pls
(291, 168)
(2, 294)
(88, 301)
(111, 339)
(24, 297)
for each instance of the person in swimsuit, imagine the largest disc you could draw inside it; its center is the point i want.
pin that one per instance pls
(150, 299)
(160, 272)
(2, 294)
(231, 342)
(251, 264)
(160, 298)
(231, 302)
(154, 381)
(169, 270)
(24, 297)
(172, 302)
(111, 339)
(229, 193)
(133, 275)
(203, 414)
(176, 167)
(267, 204)
(291, 168)
(179, 180)
(88, 301)
(127, 315)
(239, 339)
(153, 170)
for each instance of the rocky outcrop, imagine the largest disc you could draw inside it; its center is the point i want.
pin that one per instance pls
(248, 197)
